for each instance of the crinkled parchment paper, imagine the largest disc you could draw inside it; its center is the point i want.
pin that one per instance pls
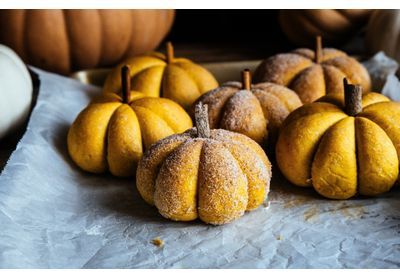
(52, 215)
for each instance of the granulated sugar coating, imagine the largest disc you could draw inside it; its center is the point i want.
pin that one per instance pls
(312, 77)
(250, 111)
(215, 179)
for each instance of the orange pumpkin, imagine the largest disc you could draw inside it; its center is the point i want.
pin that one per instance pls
(66, 40)
(336, 26)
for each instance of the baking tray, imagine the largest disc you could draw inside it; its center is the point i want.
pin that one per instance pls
(223, 71)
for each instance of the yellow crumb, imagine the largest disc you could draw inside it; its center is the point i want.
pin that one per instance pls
(158, 242)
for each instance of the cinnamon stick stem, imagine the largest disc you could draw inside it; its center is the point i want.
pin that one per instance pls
(126, 83)
(201, 120)
(170, 52)
(352, 98)
(246, 79)
(318, 49)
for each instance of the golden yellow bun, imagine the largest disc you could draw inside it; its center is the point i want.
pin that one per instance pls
(180, 80)
(109, 135)
(341, 155)
(215, 179)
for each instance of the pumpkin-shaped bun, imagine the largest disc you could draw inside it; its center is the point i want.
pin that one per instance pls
(256, 111)
(111, 131)
(342, 150)
(215, 175)
(156, 75)
(313, 74)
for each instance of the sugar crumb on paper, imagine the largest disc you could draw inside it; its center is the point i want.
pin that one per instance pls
(158, 242)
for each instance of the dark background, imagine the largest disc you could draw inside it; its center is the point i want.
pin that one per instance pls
(221, 35)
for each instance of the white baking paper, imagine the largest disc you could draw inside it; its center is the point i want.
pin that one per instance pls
(382, 70)
(52, 215)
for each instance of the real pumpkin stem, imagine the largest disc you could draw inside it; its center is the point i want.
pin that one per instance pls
(201, 120)
(126, 83)
(170, 52)
(246, 79)
(318, 49)
(352, 98)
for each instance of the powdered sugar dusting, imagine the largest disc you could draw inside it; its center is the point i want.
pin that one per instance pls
(233, 172)
(239, 108)
(287, 68)
(222, 185)
(176, 184)
(151, 161)
(215, 99)
(281, 68)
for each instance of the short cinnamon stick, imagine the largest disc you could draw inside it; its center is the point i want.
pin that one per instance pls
(352, 98)
(201, 120)
(318, 49)
(246, 79)
(126, 83)
(170, 53)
